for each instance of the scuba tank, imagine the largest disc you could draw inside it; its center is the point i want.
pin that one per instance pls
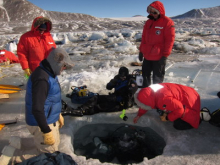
(137, 74)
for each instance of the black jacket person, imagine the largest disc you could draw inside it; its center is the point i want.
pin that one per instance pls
(124, 88)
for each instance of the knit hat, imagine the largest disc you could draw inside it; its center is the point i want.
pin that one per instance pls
(59, 58)
(123, 71)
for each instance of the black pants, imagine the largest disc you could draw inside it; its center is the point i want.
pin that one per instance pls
(157, 69)
(101, 103)
(181, 125)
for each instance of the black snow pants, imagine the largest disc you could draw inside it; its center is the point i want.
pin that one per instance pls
(101, 103)
(157, 69)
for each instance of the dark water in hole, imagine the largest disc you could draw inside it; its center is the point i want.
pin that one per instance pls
(117, 143)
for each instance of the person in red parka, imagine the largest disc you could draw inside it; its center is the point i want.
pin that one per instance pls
(35, 45)
(156, 45)
(177, 103)
(6, 55)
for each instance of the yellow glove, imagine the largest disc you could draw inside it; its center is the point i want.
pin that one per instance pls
(49, 139)
(163, 117)
(27, 72)
(61, 121)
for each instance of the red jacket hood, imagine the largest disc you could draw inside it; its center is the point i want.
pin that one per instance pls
(146, 96)
(40, 20)
(159, 6)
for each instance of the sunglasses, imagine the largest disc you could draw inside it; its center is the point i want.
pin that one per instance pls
(154, 13)
(40, 29)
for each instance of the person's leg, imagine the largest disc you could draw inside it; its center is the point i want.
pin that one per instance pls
(158, 72)
(108, 103)
(181, 125)
(39, 139)
(146, 73)
(96, 104)
(128, 100)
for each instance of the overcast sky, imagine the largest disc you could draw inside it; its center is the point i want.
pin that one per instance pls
(121, 8)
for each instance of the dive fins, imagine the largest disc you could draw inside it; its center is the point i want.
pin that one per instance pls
(8, 89)
(2, 86)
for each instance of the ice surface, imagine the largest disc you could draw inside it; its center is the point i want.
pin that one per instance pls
(196, 146)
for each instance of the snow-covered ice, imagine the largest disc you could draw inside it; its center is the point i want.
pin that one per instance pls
(97, 57)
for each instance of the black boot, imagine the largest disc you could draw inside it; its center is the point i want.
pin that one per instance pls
(64, 105)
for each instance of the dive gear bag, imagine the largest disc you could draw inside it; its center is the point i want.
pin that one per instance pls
(80, 95)
(50, 159)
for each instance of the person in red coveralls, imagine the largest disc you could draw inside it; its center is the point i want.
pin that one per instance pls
(35, 45)
(8, 56)
(156, 45)
(177, 103)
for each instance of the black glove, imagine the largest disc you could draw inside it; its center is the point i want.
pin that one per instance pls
(140, 56)
(112, 84)
(163, 60)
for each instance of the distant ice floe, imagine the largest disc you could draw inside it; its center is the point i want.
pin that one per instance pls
(126, 41)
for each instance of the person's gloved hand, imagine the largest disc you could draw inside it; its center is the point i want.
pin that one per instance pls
(112, 83)
(61, 121)
(27, 72)
(163, 60)
(163, 117)
(140, 56)
(49, 138)
(135, 120)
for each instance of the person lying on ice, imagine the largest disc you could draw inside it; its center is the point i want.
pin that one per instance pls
(122, 98)
(177, 103)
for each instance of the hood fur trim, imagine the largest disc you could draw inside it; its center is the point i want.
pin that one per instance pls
(42, 20)
(149, 8)
(139, 104)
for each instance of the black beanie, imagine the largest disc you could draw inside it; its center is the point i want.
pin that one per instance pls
(123, 71)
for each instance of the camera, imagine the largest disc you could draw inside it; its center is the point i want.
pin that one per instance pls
(160, 112)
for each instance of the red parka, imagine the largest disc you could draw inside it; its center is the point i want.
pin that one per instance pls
(4, 54)
(158, 35)
(34, 47)
(177, 100)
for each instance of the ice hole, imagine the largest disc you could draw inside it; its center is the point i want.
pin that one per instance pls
(117, 143)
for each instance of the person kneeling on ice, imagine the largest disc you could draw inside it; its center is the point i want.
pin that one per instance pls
(122, 98)
(7, 57)
(174, 102)
(43, 101)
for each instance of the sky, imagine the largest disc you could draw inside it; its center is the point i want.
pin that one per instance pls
(121, 8)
